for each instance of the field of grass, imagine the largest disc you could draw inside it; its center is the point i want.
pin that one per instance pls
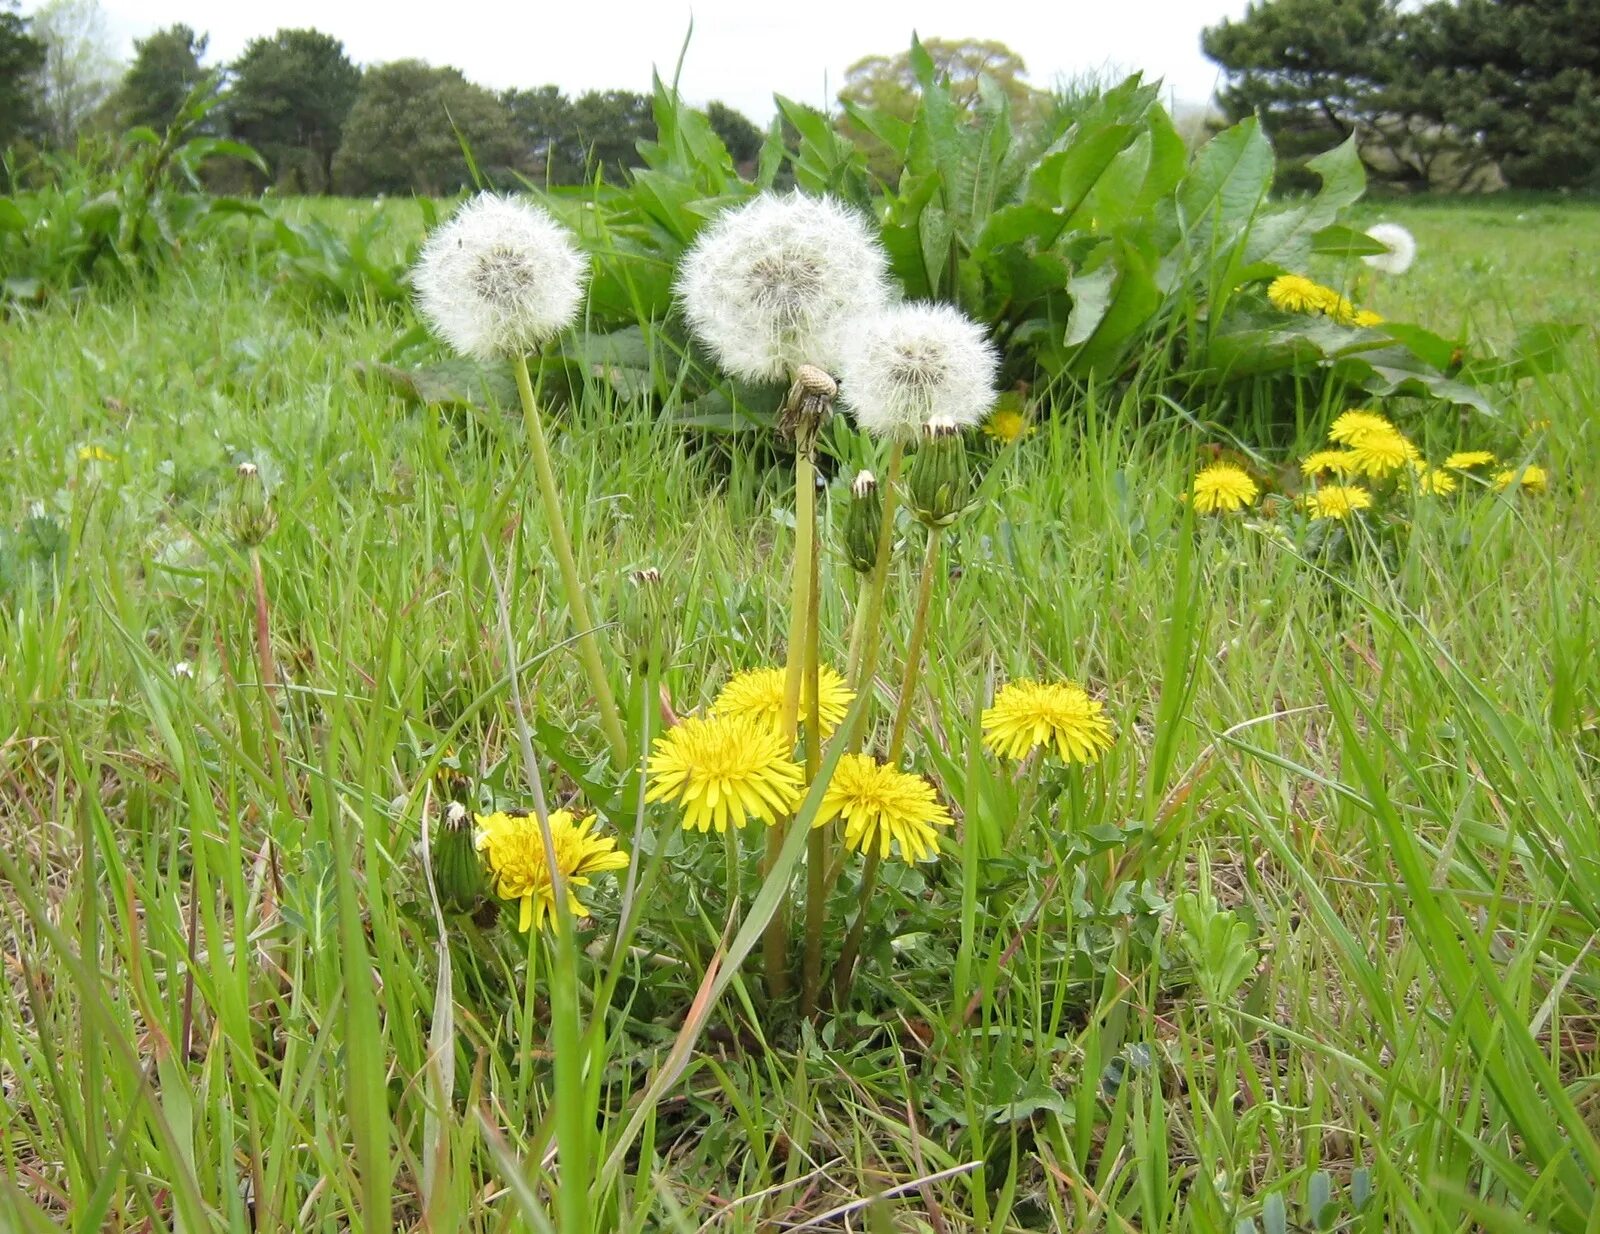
(1312, 948)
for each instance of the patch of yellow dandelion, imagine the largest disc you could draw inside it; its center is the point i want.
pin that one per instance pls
(725, 769)
(1057, 715)
(1005, 425)
(1336, 501)
(1333, 462)
(514, 852)
(1294, 293)
(1349, 428)
(1466, 460)
(1434, 481)
(1530, 477)
(759, 692)
(1367, 319)
(881, 807)
(95, 454)
(1380, 454)
(1223, 488)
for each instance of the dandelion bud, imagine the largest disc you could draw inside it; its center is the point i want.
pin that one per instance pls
(863, 523)
(939, 482)
(810, 400)
(247, 471)
(457, 869)
(645, 621)
(252, 515)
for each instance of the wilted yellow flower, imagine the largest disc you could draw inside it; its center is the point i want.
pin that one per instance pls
(1349, 428)
(1529, 477)
(1379, 454)
(1336, 462)
(724, 769)
(1466, 460)
(514, 850)
(1006, 425)
(881, 805)
(1336, 501)
(1294, 293)
(1222, 487)
(759, 692)
(1027, 714)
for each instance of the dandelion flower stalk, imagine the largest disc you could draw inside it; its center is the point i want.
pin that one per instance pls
(577, 598)
(863, 660)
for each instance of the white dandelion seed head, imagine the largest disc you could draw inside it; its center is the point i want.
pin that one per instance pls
(500, 278)
(864, 484)
(773, 284)
(1402, 246)
(914, 365)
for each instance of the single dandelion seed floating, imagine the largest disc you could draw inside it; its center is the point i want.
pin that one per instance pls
(1057, 715)
(1223, 488)
(514, 851)
(1336, 501)
(881, 807)
(759, 692)
(1401, 246)
(775, 283)
(1333, 462)
(500, 278)
(1467, 460)
(724, 769)
(1530, 477)
(913, 364)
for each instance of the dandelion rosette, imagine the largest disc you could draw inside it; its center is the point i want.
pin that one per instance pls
(514, 851)
(500, 278)
(1401, 246)
(724, 769)
(773, 284)
(1223, 488)
(1056, 715)
(882, 807)
(1337, 501)
(913, 364)
(758, 692)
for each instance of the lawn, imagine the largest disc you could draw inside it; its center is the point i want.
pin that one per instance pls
(1310, 948)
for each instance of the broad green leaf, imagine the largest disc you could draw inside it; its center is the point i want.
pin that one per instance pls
(11, 218)
(1134, 300)
(1337, 240)
(1226, 185)
(1091, 297)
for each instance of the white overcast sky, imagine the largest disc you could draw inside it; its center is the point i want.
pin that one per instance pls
(742, 50)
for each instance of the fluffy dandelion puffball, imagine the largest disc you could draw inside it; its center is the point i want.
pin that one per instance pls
(774, 284)
(759, 692)
(913, 364)
(514, 851)
(1057, 715)
(1402, 246)
(882, 807)
(500, 278)
(1336, 462)
(1530, 477)
(1223, 488)
(1467, 460)
(725, 769)
(1337, 501)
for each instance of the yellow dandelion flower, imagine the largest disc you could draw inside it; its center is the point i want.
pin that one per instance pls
(1529, 477)
(514, 851)
(1027, 714)
(1340, 309)
(1006, 425)
(1466, 460)
(882, 806)
(759, 692)
(95, 454)
(1294, 293)
(1352, 426)
(1434, 481)
(1336, 501)
(1334, 462)
(724, 769)
(1222, 487)
(1367, 319)
(1379, 454)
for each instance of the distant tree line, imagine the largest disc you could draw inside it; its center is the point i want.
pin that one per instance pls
(321, 123)
(1444, 94)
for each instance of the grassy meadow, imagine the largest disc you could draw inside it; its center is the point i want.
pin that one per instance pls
(1311, 948)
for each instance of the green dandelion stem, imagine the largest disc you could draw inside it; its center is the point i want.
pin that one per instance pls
(864, 653)
(577, 601)
(844, 970)
(817, 841)
(919, 634)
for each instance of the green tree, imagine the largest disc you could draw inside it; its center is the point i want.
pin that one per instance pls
(290, 97)
(165, 69)
(401, 135)
(543, 121)
(1521, 78)
(609, 125)
(737, 131)
(889, 84)
(21, 57)
(79, 70)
